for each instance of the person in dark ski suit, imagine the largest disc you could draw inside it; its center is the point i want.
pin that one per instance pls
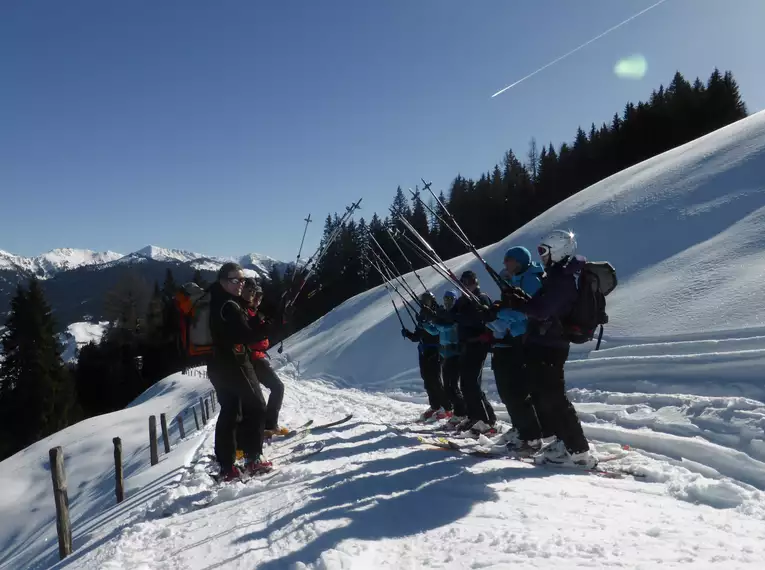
(448, 338)
(429, 359)
(233, 377)
(547, 349)
(474, 341)
(252, 295)
(508, 360)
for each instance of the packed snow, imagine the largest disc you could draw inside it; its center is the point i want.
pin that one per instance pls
(374, 497)
(78, 335)
(674, 399)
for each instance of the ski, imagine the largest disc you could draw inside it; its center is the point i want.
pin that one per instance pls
(334, 423)
(481, 452)
(269, 435)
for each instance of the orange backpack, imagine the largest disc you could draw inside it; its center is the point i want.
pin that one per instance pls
(193, 305)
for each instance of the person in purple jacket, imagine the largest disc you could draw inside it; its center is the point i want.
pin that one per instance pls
(547, 348)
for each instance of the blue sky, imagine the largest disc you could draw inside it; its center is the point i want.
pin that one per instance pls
(217, 126)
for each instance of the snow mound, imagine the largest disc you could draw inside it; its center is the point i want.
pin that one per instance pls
(684, 232)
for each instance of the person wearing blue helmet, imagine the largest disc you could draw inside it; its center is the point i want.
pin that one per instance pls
(507, 362)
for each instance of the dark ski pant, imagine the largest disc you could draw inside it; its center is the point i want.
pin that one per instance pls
(242, 412)
(508, 365)
(450, 372)
(270, 380)
(430, 371)
(472, 358)
(556, 413)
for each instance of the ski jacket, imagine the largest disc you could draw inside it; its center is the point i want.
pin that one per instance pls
(427, 341)
(231, 334)
(471, 322)
(511, 324)
(258, 323)
(552, 303)
(448, 338)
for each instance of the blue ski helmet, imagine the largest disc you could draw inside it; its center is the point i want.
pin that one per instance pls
(450, 293)
(519, 254)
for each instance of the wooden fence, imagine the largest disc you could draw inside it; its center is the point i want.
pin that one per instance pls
(56, 454)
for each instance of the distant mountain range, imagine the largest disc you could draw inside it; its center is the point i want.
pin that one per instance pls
(76, 280)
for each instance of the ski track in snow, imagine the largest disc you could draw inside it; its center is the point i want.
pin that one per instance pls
(374, 498)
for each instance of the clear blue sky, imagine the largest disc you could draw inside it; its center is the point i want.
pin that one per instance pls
(217, 126)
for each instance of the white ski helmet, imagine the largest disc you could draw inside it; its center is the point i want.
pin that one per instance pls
(560, 244)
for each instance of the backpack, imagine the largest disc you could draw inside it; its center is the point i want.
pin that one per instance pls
(193, 305)
(596, 280)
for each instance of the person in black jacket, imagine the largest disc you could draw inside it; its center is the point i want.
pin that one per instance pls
(233, 377)
(474, 342)
(428, 348)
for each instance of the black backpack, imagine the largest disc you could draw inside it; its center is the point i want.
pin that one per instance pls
(596, 280)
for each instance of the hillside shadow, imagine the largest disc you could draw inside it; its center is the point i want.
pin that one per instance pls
(392, 497)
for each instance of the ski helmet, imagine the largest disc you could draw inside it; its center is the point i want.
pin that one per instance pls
(451, 293)
(559, 244)
(519, 254)
(469, 277)
(427, 298)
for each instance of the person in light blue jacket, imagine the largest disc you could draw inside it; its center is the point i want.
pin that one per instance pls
(507, 360)
(450, 361)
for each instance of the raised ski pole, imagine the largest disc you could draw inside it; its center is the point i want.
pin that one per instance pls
(441, 263)
(388, 284)
(307, 221)
(390, 266)
(411, 265)
(388, 279)
(455, 227)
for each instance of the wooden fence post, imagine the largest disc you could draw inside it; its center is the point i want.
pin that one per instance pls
(196, 419)
(202, 410)
(207, 409)
(181, 429)
(119, 482)
(63, 527)
(212, 401)
(165, 436)
(153, 440)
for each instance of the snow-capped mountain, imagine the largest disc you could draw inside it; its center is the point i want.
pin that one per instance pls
(48, 264)
(76, 280)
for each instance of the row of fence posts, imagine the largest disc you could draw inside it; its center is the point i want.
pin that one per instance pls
(56, 456)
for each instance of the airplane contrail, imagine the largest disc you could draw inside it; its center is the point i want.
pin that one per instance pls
(584, 45)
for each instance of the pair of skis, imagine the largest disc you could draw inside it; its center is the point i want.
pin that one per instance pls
(481, 452)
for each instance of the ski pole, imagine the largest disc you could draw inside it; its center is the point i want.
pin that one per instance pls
(461, 234)
(401, 251)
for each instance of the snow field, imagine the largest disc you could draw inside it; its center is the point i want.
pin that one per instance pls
(375, 498)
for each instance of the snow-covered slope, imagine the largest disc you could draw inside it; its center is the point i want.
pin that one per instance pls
(375, 498)
(78, 335)
(684, 231)
(50, 263)
(27, 511)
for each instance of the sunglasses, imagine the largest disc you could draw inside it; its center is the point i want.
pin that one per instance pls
(235, 280)
(543, 250)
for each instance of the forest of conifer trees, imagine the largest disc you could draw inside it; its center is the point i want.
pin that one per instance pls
(39, 394)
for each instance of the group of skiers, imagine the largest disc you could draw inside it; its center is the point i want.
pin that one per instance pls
(237, 367)
(524, 331)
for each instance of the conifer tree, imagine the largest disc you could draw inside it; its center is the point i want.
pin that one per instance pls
(37, 395)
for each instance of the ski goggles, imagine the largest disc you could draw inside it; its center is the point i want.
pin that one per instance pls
(543, 250)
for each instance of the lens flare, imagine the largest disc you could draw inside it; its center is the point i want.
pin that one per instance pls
(632, 67)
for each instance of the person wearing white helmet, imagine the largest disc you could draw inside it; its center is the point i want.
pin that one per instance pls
(547, 348)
